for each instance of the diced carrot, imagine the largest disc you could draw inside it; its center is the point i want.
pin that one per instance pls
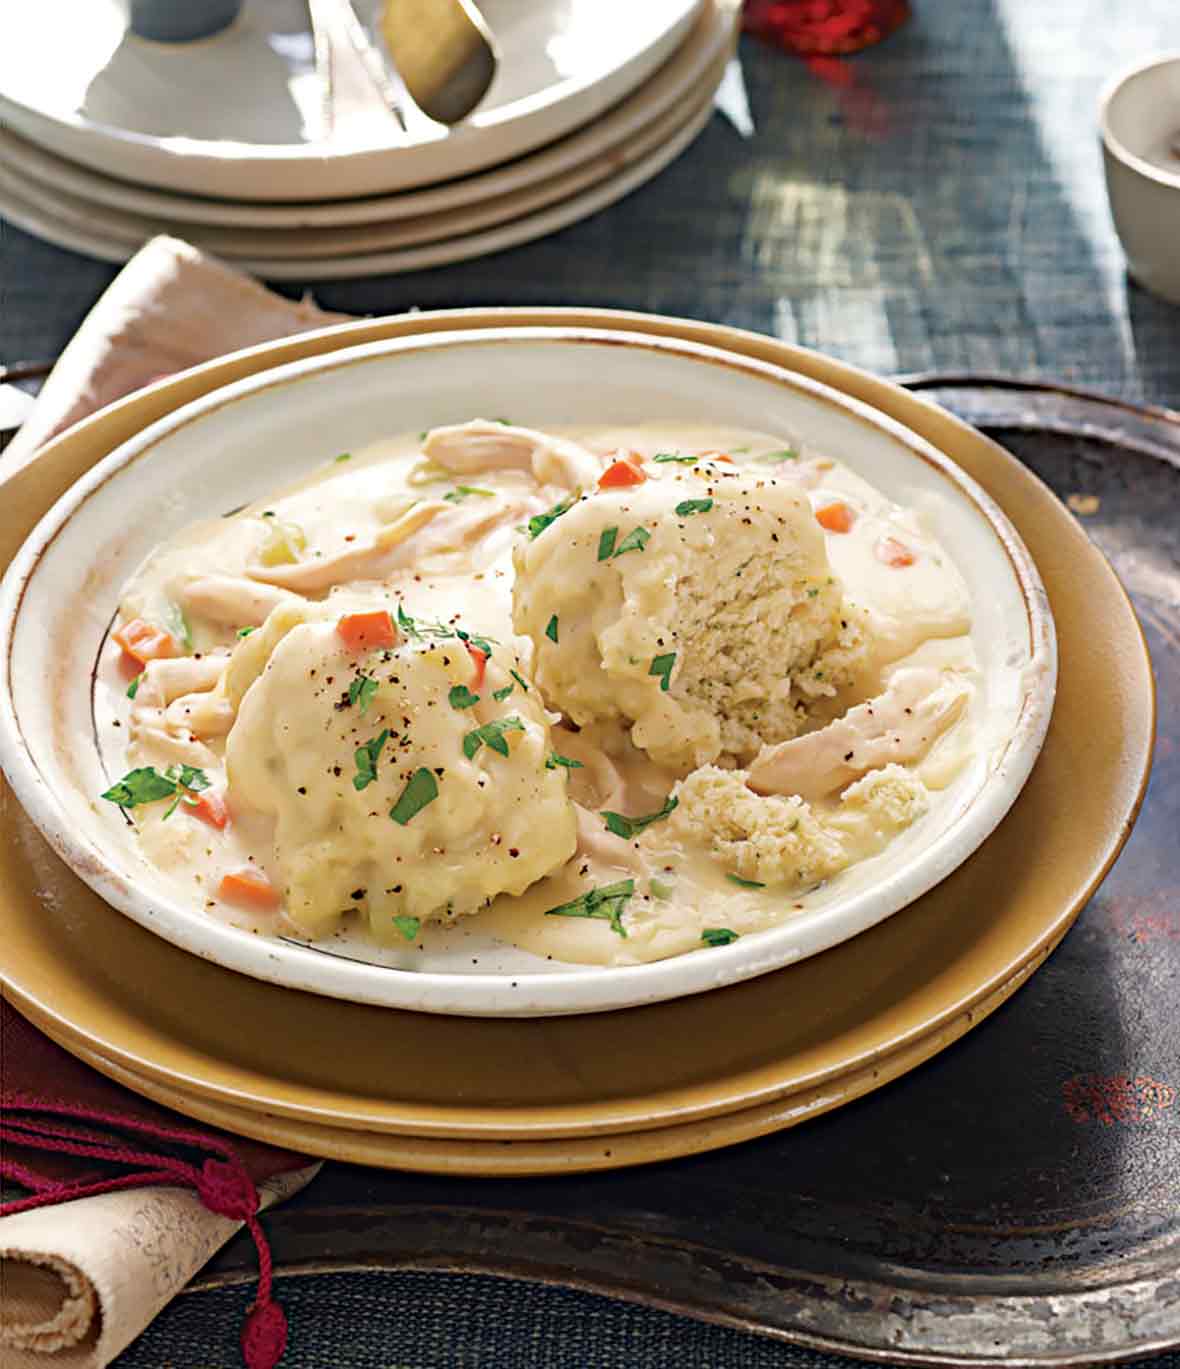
(209, 807)
(367, 631)
(619, 474)
(248, 888)
(717, 456)
(480, 660)
(145, 642)
(837, 517)
(894, 553)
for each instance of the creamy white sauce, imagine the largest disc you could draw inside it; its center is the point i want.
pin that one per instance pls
(460, 563)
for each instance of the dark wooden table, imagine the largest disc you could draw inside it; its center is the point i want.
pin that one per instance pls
(936, 205)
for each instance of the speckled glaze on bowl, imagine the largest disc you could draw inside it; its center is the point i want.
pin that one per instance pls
(252, 437)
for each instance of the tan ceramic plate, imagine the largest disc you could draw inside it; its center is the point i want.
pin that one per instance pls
(129, 229)
(75, 226)
(768, 1052)
(532, 1156)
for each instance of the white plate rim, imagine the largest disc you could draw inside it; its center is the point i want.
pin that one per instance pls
(557, 993)
(498, 238)
(240, 170)
(670, 85)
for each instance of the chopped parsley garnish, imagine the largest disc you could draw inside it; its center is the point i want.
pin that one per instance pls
(687, 506)
(507, 422)
(745, 883)
(421, 789)
(462, 697)
(628, 827)
(540, 521)
(133, 687)
(777, 458)
(718, 936)
(483, 644)
(493, 734)
(144, 785)
(421, 629)
(519, 680)
(662, 666)
(551, 628)
(553, 760)
(461, 492)
(501, 694)
(635, 540)
(366, 759)
(344, 456)
(408, 926)
(148, 785)
(246, 631)
(660, 888)
(362, 688)
(606, 903)
(675, 456)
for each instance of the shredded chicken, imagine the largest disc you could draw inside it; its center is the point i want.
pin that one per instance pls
(231, 600)
(895, 727)
(597, 780)
(168, 679)
(481, 446)
(176, 702)
(371, 560)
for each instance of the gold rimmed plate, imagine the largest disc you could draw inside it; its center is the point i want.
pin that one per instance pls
(880, 1002)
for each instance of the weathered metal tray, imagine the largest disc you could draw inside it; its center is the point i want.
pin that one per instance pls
(1017, 1198)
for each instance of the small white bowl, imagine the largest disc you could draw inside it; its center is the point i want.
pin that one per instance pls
(1139, 120)
(238, 443)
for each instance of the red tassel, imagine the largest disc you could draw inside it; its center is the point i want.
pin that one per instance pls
(264, 1335)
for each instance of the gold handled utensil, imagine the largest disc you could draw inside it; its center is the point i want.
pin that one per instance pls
(444, 53)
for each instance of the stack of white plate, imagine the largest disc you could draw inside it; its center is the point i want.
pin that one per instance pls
(107, 139)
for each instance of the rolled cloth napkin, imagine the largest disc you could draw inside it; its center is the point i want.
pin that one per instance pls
(124, 1201)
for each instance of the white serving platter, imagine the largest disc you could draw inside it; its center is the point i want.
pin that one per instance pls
(237, 115)
(682, 76)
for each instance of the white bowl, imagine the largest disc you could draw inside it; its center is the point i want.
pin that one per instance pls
(236, 444)
(1139, 120)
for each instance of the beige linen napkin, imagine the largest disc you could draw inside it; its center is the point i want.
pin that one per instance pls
(169, 308)
(79, 1281)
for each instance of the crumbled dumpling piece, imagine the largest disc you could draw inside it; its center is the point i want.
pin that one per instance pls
(784, 840)
(398, 783)
(699, 607)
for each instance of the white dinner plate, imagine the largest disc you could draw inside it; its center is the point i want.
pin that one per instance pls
(303, 244)
(251, 438)
(77, 231)
(236, 115)
(685, 72)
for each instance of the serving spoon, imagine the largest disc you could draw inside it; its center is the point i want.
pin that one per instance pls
(443, 51)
